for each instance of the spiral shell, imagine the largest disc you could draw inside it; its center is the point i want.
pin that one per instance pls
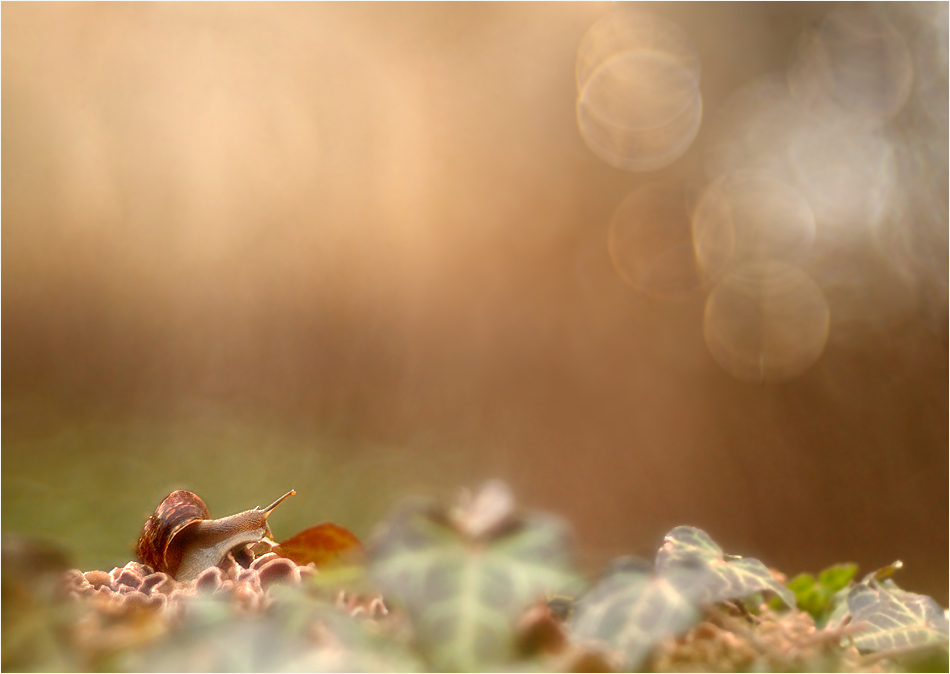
(156, 546)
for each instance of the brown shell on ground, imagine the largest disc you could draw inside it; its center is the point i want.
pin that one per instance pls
(178, 510)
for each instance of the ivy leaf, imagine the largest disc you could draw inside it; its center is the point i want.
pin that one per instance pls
(839, 612)
(732, 577)
(631, 609)
(465, 575)
(895, 618)
(326, 544)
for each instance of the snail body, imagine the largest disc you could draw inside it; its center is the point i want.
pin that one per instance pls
(181, 539)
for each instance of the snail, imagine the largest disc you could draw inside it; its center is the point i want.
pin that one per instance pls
(181, 540)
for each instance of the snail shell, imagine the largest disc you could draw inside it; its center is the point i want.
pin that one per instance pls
(181, 540)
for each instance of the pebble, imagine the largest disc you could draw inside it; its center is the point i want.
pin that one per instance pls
(278, 570)
(127, 578)
(209, 580)
(157, 583)
(98, 578)
(264, 559)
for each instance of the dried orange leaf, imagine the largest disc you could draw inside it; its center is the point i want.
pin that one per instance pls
(324, 544)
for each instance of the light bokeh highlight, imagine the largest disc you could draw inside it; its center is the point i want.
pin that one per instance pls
(639, 105)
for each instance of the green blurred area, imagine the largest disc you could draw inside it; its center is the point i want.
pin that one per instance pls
(88, 486)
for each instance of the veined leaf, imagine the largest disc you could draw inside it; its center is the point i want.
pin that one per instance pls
(464, 586)
(895, 618)
(732, 578)
(839, 611)
(632, 609)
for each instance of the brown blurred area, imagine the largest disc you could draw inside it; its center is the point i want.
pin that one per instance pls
(379, 223)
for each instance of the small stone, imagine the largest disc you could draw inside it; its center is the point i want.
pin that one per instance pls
(98, 579)
(225, 589)
(139, 568)
(180, 595)
(248, 597)
(264, 559)
(104, 593)
(248, 576)
(209, 580)
(157, 583)
(74, 582)
(127, 578)
(73, 577)
(137, 600)
(277, 570)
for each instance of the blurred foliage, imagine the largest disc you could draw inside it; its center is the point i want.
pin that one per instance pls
(731, 576)
(895, 619)
(324, 545)
(480, 585)
(632, 609)
(464, 575)
(816, 595)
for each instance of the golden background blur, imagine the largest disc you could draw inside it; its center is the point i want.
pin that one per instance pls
(364, 250)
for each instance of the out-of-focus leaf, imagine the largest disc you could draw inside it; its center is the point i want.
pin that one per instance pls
(463, 585)
(34, 615)
(816, 595)
(838, 576)
(884, 572)
(810, 595)
(324, 545)
(297, 634)
(895, 618)
(839, 613)
(732, 578)
(931, 658)
(632, 609)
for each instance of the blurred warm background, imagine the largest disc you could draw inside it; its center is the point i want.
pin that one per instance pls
(654, 265)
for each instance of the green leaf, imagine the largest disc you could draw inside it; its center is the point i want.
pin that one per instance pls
(632, 609)
(465, 575)
(810, 595)
(816, 595)
(838, 576)
(895, 618)
(732, 578)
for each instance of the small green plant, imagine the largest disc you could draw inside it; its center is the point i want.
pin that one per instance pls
(817, 595)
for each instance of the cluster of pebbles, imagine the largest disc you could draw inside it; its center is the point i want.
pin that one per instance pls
(776, 642)
(135, 612)
(136, 586)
